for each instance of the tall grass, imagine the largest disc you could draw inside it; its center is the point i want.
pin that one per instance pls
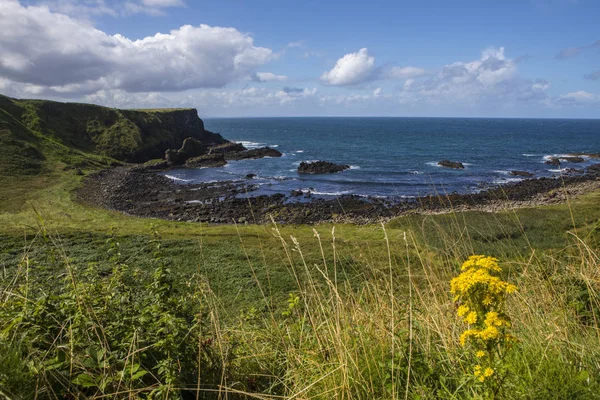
(355, 326)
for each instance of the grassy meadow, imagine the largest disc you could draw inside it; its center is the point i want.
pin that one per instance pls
(96, 304)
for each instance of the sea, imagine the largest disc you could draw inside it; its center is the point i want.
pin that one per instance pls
(397, 157)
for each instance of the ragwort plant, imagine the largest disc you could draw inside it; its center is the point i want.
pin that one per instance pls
(481, 295)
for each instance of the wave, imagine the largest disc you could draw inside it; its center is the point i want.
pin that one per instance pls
(354, 167)
(435, 164)
(530, 155)
(503, 172)
(342, 192)
(250, 145)
(506, 180)
(299, 151)
(177, 179)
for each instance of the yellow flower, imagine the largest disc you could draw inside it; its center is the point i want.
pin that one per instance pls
(488, 372)
(471, 318)
(462, 310)
(480, 354)
(466, 334)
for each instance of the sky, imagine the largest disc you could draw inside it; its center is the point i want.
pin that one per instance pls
(264, 58)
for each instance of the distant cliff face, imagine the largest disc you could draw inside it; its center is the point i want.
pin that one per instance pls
(125, 135)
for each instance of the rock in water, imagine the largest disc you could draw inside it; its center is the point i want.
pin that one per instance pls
(521, 173)
(573, 159)
(189, 149)
(253, 153)
(227, 148)
(553, 161)
(451, 164)
(320, 167)
(206, 161)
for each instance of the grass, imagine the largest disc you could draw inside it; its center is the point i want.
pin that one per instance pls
(277, 312)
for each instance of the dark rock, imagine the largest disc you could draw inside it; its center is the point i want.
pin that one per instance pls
(573, 171)
(320, 167)
(593, 169)
(227, 148)
(553, 161)
(521, 173)
(192, 148)
(189, 149)
(451, 164)
(253, 153)
(250, 176)
(173, 157)
(206, 161)
(296, 193)
(573, 159)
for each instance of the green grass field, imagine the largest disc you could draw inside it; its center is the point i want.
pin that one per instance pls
(98, 304)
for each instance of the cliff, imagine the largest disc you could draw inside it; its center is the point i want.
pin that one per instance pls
(36, 132)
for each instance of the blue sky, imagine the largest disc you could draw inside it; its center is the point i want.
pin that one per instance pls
(528, 58)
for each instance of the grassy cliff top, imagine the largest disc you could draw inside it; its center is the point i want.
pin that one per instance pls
(37, 136)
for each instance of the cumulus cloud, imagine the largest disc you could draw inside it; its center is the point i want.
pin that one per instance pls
(491, 79)
(579, 98)
(358, 68)
(267, 77)
(351, 69)
(52, 52)
(573, 51)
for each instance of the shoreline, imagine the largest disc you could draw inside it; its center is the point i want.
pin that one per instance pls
(134, 190)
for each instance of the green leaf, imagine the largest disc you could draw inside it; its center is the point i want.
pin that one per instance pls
(85, 380)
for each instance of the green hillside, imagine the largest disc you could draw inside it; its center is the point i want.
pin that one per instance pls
(37, 136)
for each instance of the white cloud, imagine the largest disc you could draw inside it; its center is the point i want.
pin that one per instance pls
(52, 52)
(268, 77)
(492, 78)
(578, 98)
(404, 72)
(358, 68)
(351, 69)
(377, 92)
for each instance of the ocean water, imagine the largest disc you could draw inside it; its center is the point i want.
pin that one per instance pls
(397, 156)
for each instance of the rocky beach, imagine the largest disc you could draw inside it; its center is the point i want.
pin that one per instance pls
(140, 191)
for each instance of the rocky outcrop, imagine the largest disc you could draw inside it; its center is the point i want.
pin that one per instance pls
(189, 149)
(521, 173)
(206, 161)
(320, 167)
(555, 161)
(451, 164)
(253, 153)
(573, 159)
(229, 147)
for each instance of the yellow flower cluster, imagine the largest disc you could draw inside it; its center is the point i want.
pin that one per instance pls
(481, 295)
(479, 274)
(482, 374)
